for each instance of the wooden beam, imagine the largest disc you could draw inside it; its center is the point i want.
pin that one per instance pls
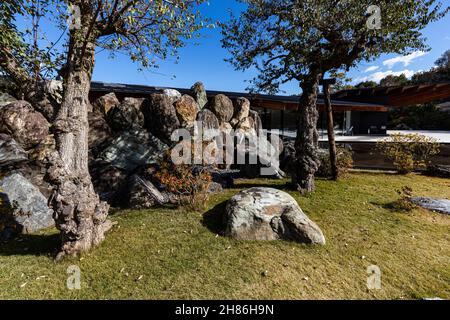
(330, 127)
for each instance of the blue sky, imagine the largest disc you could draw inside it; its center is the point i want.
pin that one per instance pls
(205, 61)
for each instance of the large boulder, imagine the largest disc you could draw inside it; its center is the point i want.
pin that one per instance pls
(6, 98)
(35, 173)
(143, 194)
(160, 117)
(99, 130)
(10, 152)
(269, 214)
(209, 123)
(241, 110)
(106, 103)
(126, 115)
(132, 149)
(187, 109)
(173, 95)
(222, 107)
(199, 93)
(25, 209)
(26, 126)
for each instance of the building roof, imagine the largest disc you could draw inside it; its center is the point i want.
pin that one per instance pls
(398, 96)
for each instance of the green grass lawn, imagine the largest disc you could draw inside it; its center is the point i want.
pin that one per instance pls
(170, 254)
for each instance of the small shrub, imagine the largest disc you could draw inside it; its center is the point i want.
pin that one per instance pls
(189, 188)
(404, 202)
(409, 152)
(344, 162)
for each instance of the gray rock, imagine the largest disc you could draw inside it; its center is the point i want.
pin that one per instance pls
(26, 208)
(199, 94)
(10, 151)
(6, 98)
(126, 115)
(173, 95)
(269, 214)
(222, 107)
(209, 123)
(438, 205)
(143, 194)
(132, 149)
(34, 172)
(26, 126)
(160, 117)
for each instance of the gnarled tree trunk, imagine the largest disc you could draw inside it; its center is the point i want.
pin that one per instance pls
(79, 214)
(307, 143)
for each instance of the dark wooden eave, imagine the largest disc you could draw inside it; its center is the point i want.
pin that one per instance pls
(399, 96)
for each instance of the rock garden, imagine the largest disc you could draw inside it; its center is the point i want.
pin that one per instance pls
(130, 143)
(188, 230)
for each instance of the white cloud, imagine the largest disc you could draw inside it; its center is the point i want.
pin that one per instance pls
(406, 60)
(378, 76)
(371, 68)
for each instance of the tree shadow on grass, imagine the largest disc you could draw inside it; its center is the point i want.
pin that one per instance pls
(31, 245)
(214, 219)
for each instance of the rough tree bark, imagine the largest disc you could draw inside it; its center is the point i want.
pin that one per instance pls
(79, 214)
(307, 143)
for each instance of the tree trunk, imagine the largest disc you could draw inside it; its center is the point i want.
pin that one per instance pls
(330, 131)
(79, 214)
(307, 143)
